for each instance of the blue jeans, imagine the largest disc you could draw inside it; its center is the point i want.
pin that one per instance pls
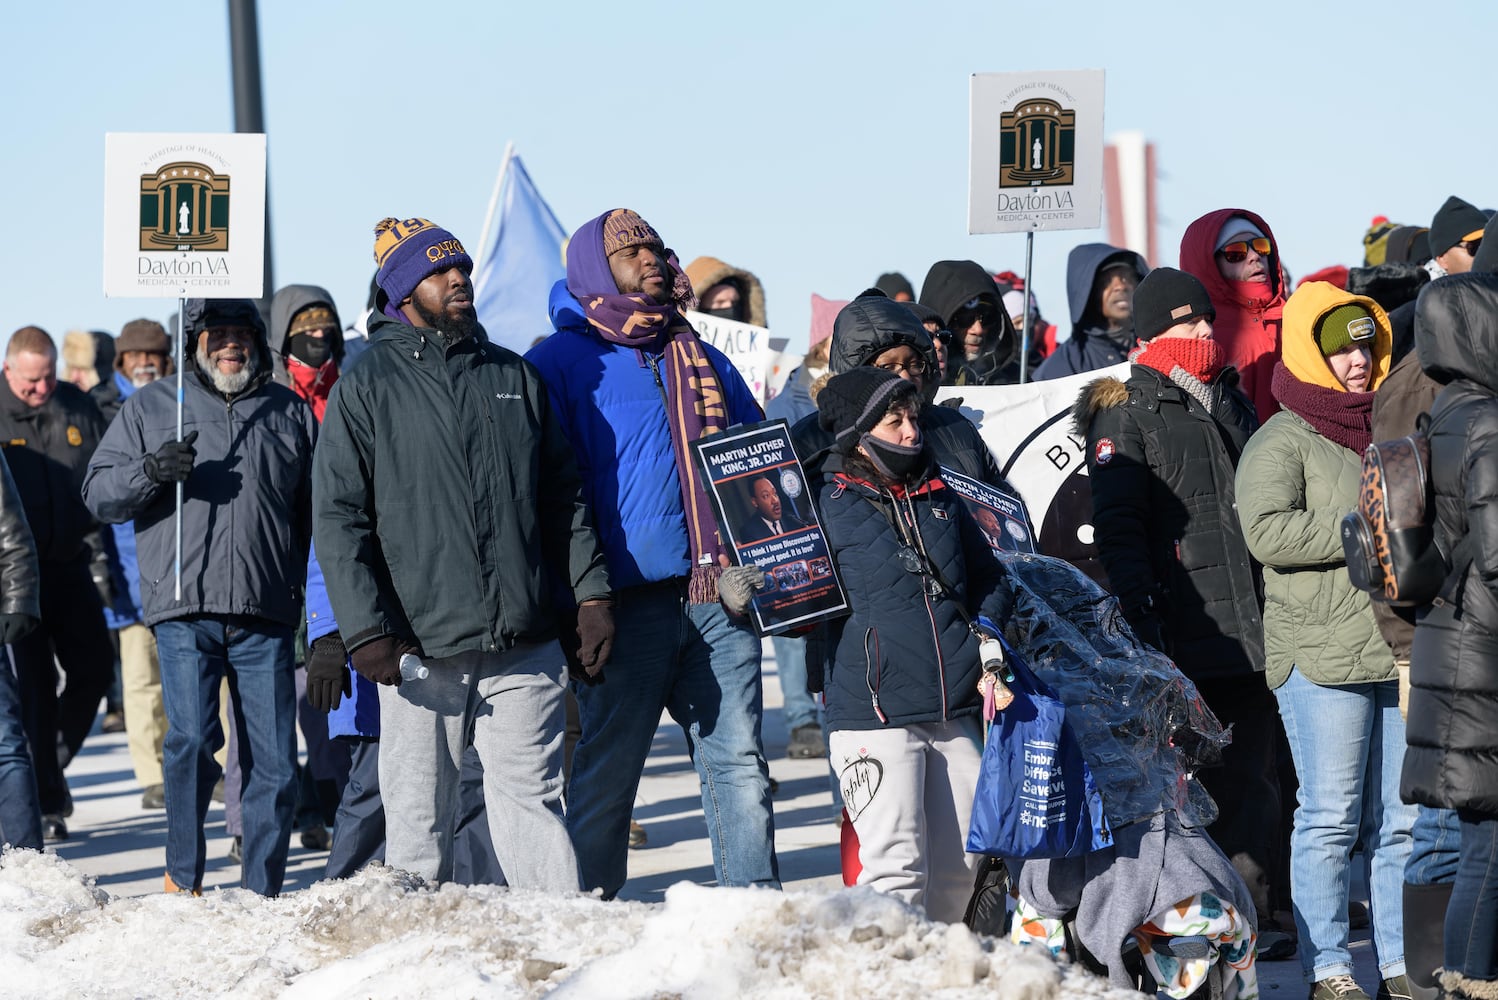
(1435, 846)
(1348, 745)
(256, 655)
(1472, 916)
(692, 661)
(20, 816)
(790, 662)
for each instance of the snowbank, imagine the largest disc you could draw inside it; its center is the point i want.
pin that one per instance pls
(384, 934)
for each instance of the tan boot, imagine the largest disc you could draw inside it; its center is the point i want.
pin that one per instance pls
(170, 886)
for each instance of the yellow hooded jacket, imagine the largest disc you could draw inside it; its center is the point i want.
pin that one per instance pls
(1298, 348)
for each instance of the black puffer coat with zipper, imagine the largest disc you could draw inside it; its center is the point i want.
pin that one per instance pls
(1166, 519)
(1451, 755)
(906, 655)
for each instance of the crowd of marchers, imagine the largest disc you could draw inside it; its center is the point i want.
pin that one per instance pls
(474, 581)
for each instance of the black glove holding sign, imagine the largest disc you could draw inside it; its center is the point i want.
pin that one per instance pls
(172, 462)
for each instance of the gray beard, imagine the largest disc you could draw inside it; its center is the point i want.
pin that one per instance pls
(228, 385)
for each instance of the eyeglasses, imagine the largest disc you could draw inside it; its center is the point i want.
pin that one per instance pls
(916, 368)
(1471, 246)
(1237, 252)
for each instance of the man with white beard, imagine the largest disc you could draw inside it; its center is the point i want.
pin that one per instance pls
(245, 460)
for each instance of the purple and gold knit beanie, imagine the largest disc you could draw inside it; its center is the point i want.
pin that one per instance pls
(408, 251)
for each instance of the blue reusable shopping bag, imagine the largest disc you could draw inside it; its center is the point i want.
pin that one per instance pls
(1036, 797)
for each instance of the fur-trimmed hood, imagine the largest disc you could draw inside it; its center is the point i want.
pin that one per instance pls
(705, 272)
(1098, 395)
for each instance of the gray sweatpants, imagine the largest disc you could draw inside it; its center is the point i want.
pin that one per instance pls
(511, 704)
(909, 793)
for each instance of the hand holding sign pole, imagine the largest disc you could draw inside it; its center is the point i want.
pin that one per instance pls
(184, 214)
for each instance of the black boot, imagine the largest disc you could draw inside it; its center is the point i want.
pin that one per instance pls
(1424, 936)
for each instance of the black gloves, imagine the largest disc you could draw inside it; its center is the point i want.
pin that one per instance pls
(595, 635)
(172, 462)
(13, 627)
(327, 679)
(380, 660)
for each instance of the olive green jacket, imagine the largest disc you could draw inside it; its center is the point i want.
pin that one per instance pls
(1294, 487)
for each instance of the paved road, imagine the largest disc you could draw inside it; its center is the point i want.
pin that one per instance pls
(121, 845)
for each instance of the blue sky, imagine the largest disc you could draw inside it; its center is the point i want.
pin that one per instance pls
(814, 144)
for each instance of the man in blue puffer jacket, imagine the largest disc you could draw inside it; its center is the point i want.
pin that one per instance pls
(633, 386)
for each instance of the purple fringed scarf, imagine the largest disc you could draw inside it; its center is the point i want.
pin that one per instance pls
(695, 403)
(1343, 417)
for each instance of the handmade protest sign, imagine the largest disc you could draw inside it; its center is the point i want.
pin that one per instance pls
(766, 516)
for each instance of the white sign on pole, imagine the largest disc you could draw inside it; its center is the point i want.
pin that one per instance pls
(184, 215)
(1035, 151)
(747, 346)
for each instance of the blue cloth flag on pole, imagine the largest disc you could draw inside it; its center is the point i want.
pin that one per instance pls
(522, 261)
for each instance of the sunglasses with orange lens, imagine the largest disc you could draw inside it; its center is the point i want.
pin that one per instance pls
(1237, 252)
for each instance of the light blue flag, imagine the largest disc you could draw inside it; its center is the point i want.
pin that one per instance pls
(523, 260)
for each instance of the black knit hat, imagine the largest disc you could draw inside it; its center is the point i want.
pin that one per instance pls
(1455, 221)
(853, 403)
(1166, 297)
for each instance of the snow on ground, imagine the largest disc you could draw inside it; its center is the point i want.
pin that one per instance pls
(383, 934)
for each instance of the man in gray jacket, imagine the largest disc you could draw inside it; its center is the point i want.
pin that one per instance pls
(245, 460)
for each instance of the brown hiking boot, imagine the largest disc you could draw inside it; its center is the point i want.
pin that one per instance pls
(169, 886)
(637, 836)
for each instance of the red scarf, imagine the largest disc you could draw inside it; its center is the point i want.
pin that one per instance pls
(1203, 360)
(313, 384)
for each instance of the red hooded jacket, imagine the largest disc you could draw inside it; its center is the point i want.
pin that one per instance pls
(1248, 313)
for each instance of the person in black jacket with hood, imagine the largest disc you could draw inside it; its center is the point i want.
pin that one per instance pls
(1162, 453)
(878, 332)
(985, 347)
(1451, 759)
(1100, 283)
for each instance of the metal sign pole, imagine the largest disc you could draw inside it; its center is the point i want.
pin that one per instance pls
(1024, 340)
(181, 365)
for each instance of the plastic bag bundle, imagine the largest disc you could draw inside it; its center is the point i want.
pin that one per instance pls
(1143, 728)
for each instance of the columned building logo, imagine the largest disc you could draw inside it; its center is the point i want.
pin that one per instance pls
(184, 206)
(1037, 144)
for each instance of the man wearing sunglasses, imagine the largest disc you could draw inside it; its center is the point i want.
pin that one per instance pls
(1455, 237)
(1233, 253)
(1100, 283)
(984, 346)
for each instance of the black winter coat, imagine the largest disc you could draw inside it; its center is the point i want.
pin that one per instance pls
(20, 580)
(1451, 735)
(1165, 520)
(48, 448)
(905, 655)
(449, 508)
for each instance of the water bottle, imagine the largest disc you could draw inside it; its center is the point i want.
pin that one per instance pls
(412, 669)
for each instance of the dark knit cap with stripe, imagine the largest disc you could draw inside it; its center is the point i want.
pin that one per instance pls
(853, 403)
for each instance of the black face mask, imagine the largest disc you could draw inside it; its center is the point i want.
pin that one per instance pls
(733, 312)
(311, 351)
(897, 461)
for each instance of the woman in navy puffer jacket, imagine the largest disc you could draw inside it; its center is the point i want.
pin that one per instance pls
(903, 703)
